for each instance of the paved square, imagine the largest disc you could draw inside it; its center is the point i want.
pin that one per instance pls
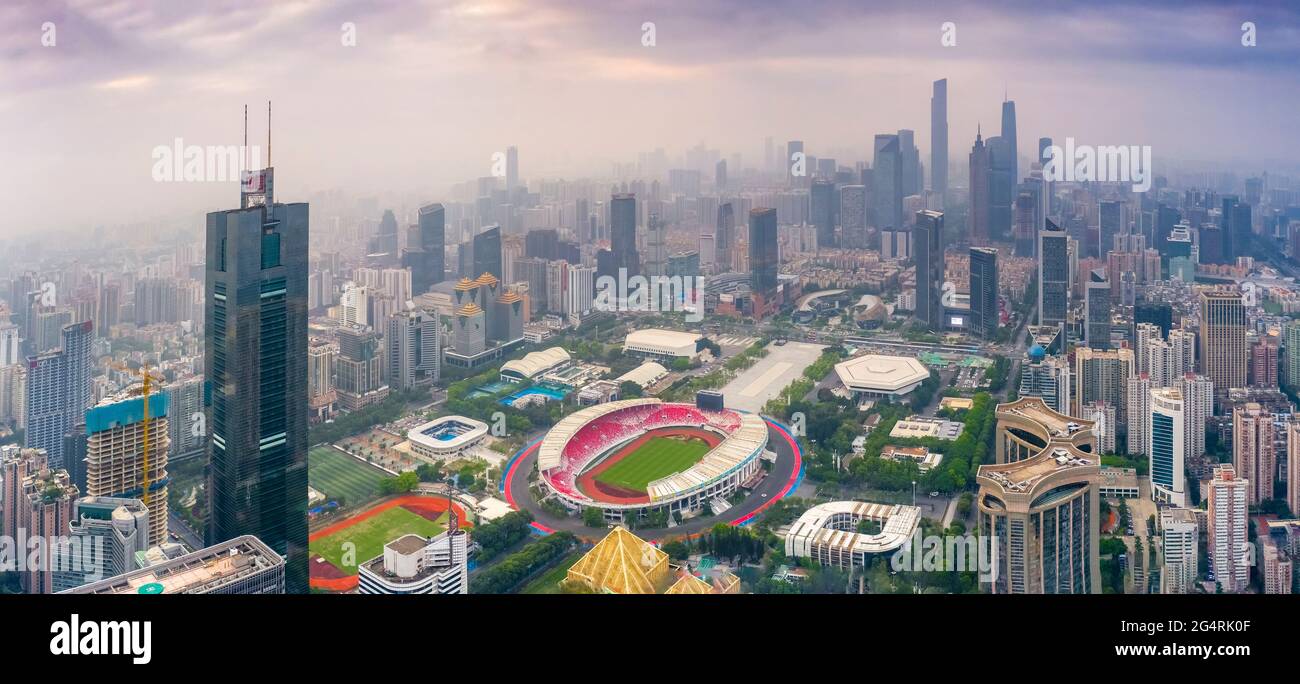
(764, 380)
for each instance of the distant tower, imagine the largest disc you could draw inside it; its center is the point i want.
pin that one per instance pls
(939, 137)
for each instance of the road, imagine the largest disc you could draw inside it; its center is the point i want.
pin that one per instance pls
(180, 528)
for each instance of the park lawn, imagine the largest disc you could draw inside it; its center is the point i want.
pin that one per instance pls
(549, 581)
(336, 474)
(371, 534)
(659, 457)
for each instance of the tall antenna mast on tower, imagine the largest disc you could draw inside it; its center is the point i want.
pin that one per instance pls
(243, 153)
(268, 134)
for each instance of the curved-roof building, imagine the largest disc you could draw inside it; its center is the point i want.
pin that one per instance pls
(534, 364)
(1028, 425)
(827, 533)
(882, 376)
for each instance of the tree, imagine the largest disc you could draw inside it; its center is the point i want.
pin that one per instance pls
(629, 390)
(593, 517)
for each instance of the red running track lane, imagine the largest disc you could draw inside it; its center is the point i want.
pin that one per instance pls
(794, 477)
(328, 576)
(510, 476)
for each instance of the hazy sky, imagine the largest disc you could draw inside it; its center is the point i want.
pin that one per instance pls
(432, 89)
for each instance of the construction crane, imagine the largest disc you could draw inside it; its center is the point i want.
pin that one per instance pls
(147, 380)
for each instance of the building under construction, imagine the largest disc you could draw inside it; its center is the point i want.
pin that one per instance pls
(126, 454)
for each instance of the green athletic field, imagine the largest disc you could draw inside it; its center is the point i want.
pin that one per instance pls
(336, 474)
(659, 457)
(371, 534)
(549, 581)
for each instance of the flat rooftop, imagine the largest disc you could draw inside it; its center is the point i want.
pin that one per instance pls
(194, 573)
(881, 373)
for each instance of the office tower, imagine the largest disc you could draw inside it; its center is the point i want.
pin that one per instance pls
(1009, 135)
(47, 326)
(106, 311)
(1138, 413)
(413, 348)
(417, 565)
(427, 258)
(911, 176)
(512, 171)
(656, 253)
(725, 237)
(1179, 545)
(117, 464)
(1102, 376)
(984, 292)
(1097, 310)
(720, 175)
(1047, 378)
(822, 199)
(322, 356)
(359, 368)
(58, 391)
(506, 324)
(534, 272)
(793, 148)
(469, 330)
(1053, 275)
(977, 219)
(556, 282)
(1002, 187)
(1160, 314)
(853, 217)
(243, 565)
(927, 247)
(939, 137)
(1042, 513)
(887, 181)
(1167, 447)
(1198, 407)
(1263, 362)
(581, 293)
(1223, 338)
(1254, 456)
(10, 344)
(383, 246)
(542, 243)
(622, 221)
(487, 252)
(764, 254)
(684, 265)
(115, 528)
(1112, 220)
(256, 366)
(1226, 541)
(1024, 235)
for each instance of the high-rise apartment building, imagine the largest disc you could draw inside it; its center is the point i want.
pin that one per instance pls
(1101, 376)
(1253, 450)
(413, 347)
(1226, 518)
(1179, 542)
(58, 391)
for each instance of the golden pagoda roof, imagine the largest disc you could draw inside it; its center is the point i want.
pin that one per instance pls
(468, 309)
(465, 284)
(725, 582)
(509, 298)
(690, 584)
(622, 563)
(487, 279)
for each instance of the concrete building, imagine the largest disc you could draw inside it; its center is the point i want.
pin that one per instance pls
(1179, 539)
(412, 564)
(877, 376)
(117, 462)
(1223, 338)
(1027, 427)
(243, 565)
(1254, 455)
(1226, 541)
(113, 529)
(1101, 375)
(662, 344)
(1166, 446)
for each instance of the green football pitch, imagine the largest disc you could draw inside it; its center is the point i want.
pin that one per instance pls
(336, 474)
(371, 534)
(659, 457)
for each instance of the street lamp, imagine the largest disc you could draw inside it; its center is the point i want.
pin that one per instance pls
(914, 492)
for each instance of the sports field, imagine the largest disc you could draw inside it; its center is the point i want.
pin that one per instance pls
(659, 457)
(336, 474)
(371, 534)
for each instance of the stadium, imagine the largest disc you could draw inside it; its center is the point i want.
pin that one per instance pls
(634, 456)
(446, 437)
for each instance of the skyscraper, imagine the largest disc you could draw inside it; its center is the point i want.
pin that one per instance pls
(115, 455)
(256, 366)
(1226, 541)
(887, 181)
(118, 527)
(1097, 310)
(622, 221)
(793, 148)
(853, 217)
(1223, 338)
(764, 255)
(822, 201)
(725, 237)
(1138, 413)
(512, 171)
(939, 137)
(912, 180)
(927, 247)
(1053, 275)
(487, 252)
(1179, 538)
(1167, 447)
(1002, 187)
(984, 292)
(977, 218)
(1101, 376)
(1254, 455)
(58, 391)
(413, 347)
(427, 259)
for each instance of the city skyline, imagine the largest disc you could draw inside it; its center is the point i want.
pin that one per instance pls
(573, 87)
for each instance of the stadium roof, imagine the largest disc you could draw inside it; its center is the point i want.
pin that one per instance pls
(644, 374)
(552, 446)
(622, 563)
(881, 373)
(668, 342)
(734, 451)
(537, 362)
(817, 527)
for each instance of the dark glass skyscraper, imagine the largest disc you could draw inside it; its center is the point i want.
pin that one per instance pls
(427, 259)
(984, 292)
(927, 249)
(724, 237)
(256, 365)
(1053, 275)
(977, 218)
(622, 222)
(1009, 135)
(939, 137)
(487, 252)
(764, 253)
(1002, 185)
(823, 212)
(887, 182)
(58, 392)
